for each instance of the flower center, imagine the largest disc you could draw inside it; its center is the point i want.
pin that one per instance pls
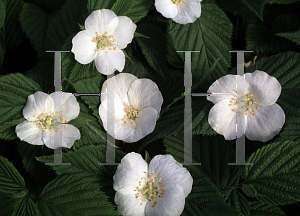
(177, 1)
(47, 122)
(151, 190)
(105, 42)
(245, 102)
(131, 111)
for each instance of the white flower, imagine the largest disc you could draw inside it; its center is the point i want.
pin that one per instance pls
(104, 36)
(46, 116)
(263, 118)
(137, 104)
(159, 189)
(181, 11)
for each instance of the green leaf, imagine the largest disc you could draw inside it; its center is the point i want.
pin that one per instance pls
(84, 165)
(7, 204)
(65, 24)
(2, 12)
(134, 9)
(275, 173)
(211, 35)
(249, 190)
(154, 49)
(257, 6)
(293, 36)
(93, 5)
(205, 199)
(238, 201)
(26, 207)
(261, 37)
(34, 22)
(147, 157)
(10, 179)
(281, 1)
(68, 195)
(264, 209)
(291, 131)
(14, 90)
(13, 31)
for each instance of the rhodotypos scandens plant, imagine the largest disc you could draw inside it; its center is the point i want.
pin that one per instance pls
(252, 99)
(104, 36)
(137, 104)
(181, 11)
(157, 189)
(46, 117)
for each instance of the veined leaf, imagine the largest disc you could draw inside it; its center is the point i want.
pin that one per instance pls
(257, 6)
(93, 5)
(263, 209)
(2, 12)
(34, 22)
(10, 179)
(291, 131)
(281, 1)
(84, 165)
(211, 35)
(26, 207)
(275, 173)
(7, 204)
(238, 201)
(14, 90)
(293, 36)
(70, 196)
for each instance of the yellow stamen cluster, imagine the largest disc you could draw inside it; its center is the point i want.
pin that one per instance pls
(105, 42)
(177, 1)
(150, 190)
(248, 102)
(47, 122)
(131, 112)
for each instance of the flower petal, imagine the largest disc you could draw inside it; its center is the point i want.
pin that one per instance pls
(267, 123)
(30, 132)
(107, 61)
(265, 87)
(84, 48)
(187, 12)
(101, 21)
(224, 120)
(166, 7)
(122, 128)
(121, 84)
(66, 104)
(63, 135)
(130, 171)
(127, 204)
(171, 204)
(38, 103)
(145, 93)
(171, 173)
(227, 87)
(145, 124)
(124, 32)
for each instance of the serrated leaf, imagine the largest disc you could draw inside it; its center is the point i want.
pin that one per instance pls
(249, 190)
(84, 165)
(7, 204)
(261, 37)
(14, 90)
(26, 207)
(211, 35)
(70, 196)
(2, 12)
(238, 201)
(263, 209)
(281, 1)
(93, 5)
(154, 48)
(13, 31)
(65, 24)
(291, 131)
(257, 6)
(293, 36)
(10, 179)
(34, 22)
(275, 173)
(121, 7)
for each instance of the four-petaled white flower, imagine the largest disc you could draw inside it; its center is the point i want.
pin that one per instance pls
(181, 11)
(254, 95)
(46, 117)
(104, 36)
(159, 189)
(137, 104)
